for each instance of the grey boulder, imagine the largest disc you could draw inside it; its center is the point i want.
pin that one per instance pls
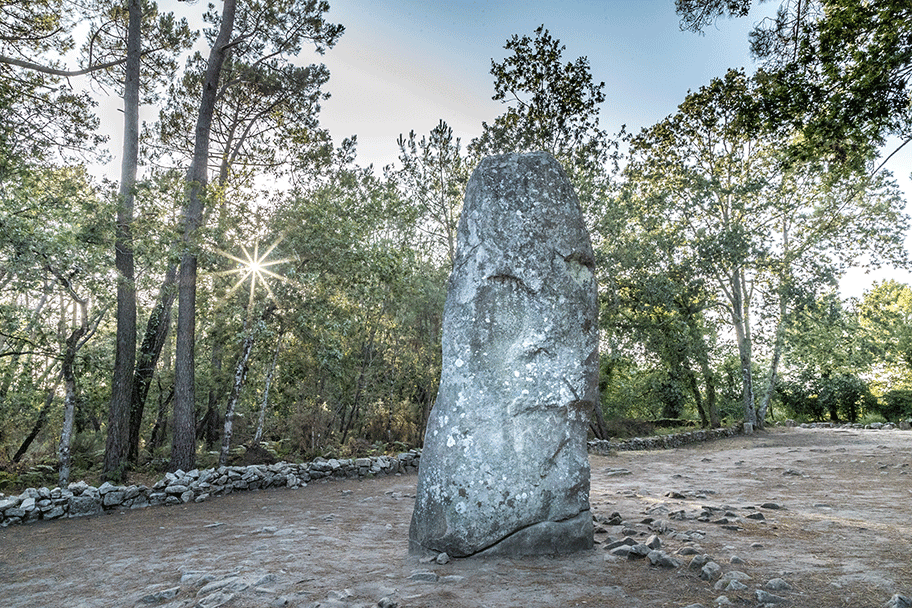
(504, 469)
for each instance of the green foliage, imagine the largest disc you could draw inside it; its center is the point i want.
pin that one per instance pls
(885, 321)
(54, 244)
(697, 14)
(895, 405)
(163, 38)
(41, 115)
(553, 106)
(837, 71)
(432, 180)
(837, 397)
(799, 399)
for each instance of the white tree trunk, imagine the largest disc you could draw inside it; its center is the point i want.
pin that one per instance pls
(742, 334)
(64, 451)
(261, 422)
(240, 374)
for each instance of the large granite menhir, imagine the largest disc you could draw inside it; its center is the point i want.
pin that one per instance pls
(504, 469)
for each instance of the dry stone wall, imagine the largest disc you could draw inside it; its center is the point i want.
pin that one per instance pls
(663, 442)
(80, 499)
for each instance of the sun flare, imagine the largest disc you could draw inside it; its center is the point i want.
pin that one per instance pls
(254, 267)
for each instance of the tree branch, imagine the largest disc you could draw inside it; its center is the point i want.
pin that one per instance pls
(35, 67)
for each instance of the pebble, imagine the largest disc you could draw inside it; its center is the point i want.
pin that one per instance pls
(160, 596)
(638, 552)
(662, 559)
(710, 571)
(424, 576)
(765, 597)
(899, 601)
(778, 584)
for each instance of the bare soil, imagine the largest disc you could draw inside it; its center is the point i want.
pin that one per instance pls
(843, 537)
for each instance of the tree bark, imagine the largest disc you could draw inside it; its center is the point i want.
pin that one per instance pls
(183, 451)
(69, 401)
(711, 405)
(39, 423)
(117, 447)
(261, 421)
(147, 359)
(742, 335)
(698, 396)
(158, 430)
(240, 375)
(773, 376)
(207, 429)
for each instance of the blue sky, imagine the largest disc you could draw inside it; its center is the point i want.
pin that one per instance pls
(405, 64)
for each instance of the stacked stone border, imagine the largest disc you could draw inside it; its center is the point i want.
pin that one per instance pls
(604, 447)
(665, 442)
(80, 499)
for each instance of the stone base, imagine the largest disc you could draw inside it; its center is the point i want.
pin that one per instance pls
(546, 538)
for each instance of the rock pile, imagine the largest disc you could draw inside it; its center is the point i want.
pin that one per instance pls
(657, 544)
(79, 498)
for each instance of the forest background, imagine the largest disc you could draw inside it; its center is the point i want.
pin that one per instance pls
(245, 280)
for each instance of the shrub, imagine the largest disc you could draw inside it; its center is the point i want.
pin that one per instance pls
(895, 405)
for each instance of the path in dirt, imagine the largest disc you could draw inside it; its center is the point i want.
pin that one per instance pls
(842, 537)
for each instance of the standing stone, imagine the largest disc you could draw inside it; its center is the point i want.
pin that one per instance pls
(504, 469)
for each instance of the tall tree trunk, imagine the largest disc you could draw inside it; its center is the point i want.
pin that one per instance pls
(70, 395)
(773, 376)
(240, 375)
(711, 406)
(784, 286)
(261, 421)
(208, 427)
(39, 423)
(183, 451)
(117, 447)
(742, 335)
(149, 352)
(698, 396)
(158, 429)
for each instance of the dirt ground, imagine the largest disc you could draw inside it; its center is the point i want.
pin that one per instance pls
(842, 537)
